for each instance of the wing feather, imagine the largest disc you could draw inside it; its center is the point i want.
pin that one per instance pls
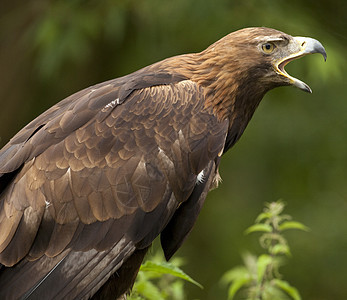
(61, 236)
(101, 177)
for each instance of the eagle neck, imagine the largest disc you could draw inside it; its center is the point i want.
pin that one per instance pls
(231, 89)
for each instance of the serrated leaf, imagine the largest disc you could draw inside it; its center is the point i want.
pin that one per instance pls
(262, 216)
(262, 263)
(293, 225)
(285, 286)
(272, 292)
(237, 285)
(234, 274)
(166, 268)
(258, 227)
(280, 249)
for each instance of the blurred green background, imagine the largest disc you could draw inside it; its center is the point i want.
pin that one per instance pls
(295, 147)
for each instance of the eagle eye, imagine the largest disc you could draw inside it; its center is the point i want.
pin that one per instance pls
(268, 48)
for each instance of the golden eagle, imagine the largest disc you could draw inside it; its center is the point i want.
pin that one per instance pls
(90, 183)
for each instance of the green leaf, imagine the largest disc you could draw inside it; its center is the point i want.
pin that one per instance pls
(177, 290)
(285, 286)
(263, 216)
(148, 290)
(237, 285)
(167, 268)
(263, 262)
(258, 227)
(280, 249)
(293, 225)
(234, 274)
(271, 292)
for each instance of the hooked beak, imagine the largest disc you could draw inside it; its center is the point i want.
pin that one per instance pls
(306, 46)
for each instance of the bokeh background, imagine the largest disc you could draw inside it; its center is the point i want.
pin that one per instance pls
(295, 148)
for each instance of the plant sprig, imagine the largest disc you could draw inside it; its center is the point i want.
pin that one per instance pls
(260, 278)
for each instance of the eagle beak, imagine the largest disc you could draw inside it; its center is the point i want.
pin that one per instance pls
(306, 46)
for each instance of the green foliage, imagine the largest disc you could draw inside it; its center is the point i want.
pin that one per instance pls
(167, 268)
(259, 278)
(161, 280)
(68, 29)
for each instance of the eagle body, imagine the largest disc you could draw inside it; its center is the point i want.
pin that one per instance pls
(90, 183)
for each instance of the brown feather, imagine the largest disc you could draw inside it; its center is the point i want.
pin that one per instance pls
(24, 236)
(61, 236)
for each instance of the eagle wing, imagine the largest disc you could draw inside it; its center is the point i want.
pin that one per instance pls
(99, 176)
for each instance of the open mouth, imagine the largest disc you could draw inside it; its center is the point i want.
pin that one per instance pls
(282, 64)
(307, 46)
(294, 81)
